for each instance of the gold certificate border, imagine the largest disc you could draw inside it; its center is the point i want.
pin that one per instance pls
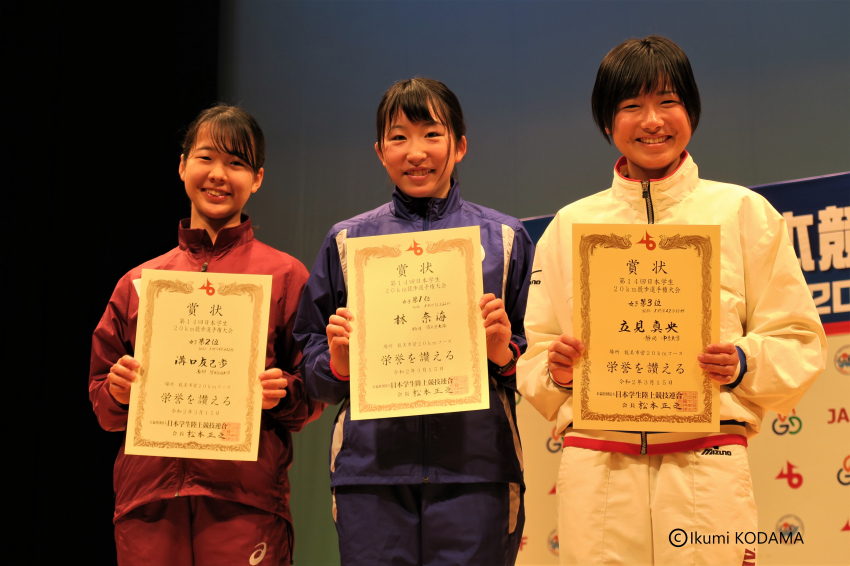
(465, 247)
(703, 248)
(155, 287)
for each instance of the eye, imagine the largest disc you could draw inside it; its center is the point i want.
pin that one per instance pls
(434, 135)
(398, 137)
(237, 163)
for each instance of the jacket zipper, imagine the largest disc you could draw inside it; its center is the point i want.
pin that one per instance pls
(650, 219)
(650, 212)
(181, 472)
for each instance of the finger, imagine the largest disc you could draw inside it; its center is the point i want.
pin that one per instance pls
(718, 359)
(336, 321)
(129, 362)
(560, 359)
(486, 298)
(345, 313)
(498, 316)
(274, 393)
(279, 383)
(338, 342)
(271, 373)
(119, 381)
(727, 371)
(722, 379)
(565, 350)
(121, 371)
(721, 348)
(572, 341)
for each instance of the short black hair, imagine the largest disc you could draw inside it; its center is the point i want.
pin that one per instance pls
(643, 65)
(232, 131)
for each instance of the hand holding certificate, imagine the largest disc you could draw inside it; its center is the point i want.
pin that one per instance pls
(644, 311)
(201, 342)
(419, 345)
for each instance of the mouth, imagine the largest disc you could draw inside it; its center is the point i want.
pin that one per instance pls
(215, 192)
(654, 140)
(418, 172)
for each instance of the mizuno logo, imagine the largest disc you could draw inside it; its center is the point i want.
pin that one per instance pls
(716, 452)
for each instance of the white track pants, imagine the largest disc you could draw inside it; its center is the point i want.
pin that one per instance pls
(624, 509)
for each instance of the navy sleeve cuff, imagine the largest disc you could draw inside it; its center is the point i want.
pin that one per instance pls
(742, 361)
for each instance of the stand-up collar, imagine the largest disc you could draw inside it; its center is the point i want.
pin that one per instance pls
(416, 208)
(197, 242)
(665, 192)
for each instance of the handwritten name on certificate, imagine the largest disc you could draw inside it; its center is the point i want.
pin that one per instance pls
(418, 345)
(645, 305)
(201, 342)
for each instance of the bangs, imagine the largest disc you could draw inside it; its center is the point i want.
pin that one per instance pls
(650, 75)
(229, 135)
(417, 104)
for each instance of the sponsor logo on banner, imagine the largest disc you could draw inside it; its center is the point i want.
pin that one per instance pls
(791, 424)
(844, 472)
(842, 360)
(533, 280)
(795, 479)
(554, 443)
(839, 416)
(552, 542)
(789, 528)
(522, 542)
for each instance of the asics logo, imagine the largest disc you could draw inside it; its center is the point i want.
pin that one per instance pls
(258, 554)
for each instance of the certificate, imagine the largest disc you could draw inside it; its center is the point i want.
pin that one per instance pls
(419, 345)
(645, 305)
(201, 342)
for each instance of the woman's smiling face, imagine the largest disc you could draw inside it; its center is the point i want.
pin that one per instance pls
(651, 131)
(420, 157)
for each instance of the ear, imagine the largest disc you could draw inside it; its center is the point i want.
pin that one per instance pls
(258, 180)
(380, 154)
(181, 169)
(460, 149)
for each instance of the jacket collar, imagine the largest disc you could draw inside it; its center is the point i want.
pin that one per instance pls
(665, 192)
(197, 242)
(416, 208)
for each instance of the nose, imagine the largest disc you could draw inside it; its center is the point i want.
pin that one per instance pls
(652, 119)
(416, 153)
(217, 172)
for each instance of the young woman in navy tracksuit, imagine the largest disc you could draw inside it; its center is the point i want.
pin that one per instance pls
(435, 489)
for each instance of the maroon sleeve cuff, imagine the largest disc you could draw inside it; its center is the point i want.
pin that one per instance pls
(337, 375)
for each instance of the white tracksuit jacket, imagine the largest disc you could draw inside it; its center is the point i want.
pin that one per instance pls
(766, 309)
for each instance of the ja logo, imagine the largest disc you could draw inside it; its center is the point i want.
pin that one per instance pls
(844, 472)
(415, 248)
(208, 288)
(647, 239)
(791, 424)
(795, 479)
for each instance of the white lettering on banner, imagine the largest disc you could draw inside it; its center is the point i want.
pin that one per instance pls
(800, 225)
(834, 237)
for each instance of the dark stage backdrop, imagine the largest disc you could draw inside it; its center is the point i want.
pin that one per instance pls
(773, 76)
(113, 86)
